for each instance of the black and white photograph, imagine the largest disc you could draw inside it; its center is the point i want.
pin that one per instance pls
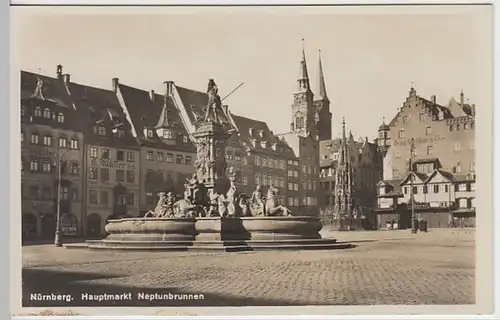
(253, 156)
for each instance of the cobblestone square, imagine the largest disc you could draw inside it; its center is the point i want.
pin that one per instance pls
(398, 268)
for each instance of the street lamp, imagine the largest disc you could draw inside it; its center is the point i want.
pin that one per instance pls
(414, 226)
(58, 235)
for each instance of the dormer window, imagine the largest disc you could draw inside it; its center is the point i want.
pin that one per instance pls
(46, 113)
(149, 133)
(263, 144)
(100, 130)
(38, 111)
(251, 132)
(184, 139)
(60, 117)
(261, 133)
(168, 134)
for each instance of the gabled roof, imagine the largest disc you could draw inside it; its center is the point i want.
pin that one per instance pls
(421, 176)
(146, 113)
(393, 182)
(98, 105)
(446, 175)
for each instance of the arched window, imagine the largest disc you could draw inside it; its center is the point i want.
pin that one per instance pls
(38, 111)
(60, 117)
(46, 113)
(299, 122)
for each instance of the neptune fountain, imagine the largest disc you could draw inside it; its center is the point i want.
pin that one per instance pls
(213, 214)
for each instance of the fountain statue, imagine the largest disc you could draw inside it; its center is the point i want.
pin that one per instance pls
(213, 214)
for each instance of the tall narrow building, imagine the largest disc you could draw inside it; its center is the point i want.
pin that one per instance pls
(343, 179)
(322, 104)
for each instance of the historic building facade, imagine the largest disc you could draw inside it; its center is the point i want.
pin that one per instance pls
(111, 158)
(51, 141)
(167, 153)
(442, 166)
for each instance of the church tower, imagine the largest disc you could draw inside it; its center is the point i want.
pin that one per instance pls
(303, 111)
(322, 105)
(343, 179)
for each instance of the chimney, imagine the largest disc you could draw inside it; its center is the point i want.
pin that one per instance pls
(152, 95)
(433, 99)
(59, 71)
(66, 78)
(116, 81)
(168, 87)
(462, 98)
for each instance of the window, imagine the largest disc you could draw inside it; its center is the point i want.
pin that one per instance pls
(472, 167)
(290, 201)
(93, 173)
(63, 142)
(130, 198)
(401, 134)
(23, 111)
(428, 131)
(130, 176)
(149, 155)
(237, 155)
(22, 137)
(188, 160)
(436, 188)
(257, 179)
(178, 160)
(170, 158)
(47, 141)
(104, 197)
(429, 150)
(120, 155)
(405, 119)
(46, 194)
(244, 181)
(74, 168)
(105, 153)
(34, 165)
(296, 187)
(46, 113)
(74, 144)
(466, 126)
(130, 157)
(281, 164)
(415, 190)
(168, 134)
(120, 133)
(149, 133)
(34, 138)
(424, 189)
(458, 127)
(33, 192)
(290, 186)
(92, 196)
(93, 152)
(64, 193)
(159, 156)
(170, 175)
(258, 161)
(46, 166)
(38, 111)
(457, 147)
(60, 117)
(245, 161)
(184, 139)
(120, 175)
(445, 188)
(299, 122)
(101, 131)
(104, 174)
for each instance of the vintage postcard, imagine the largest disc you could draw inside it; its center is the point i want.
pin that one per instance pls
(251, 160)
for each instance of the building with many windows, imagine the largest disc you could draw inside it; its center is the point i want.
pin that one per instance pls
(167, 152)
(51, 140)
(111, 157)
(442, 166)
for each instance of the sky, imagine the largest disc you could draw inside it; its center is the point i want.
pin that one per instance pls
(371, 56)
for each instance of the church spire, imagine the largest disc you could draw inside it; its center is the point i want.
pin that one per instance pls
(303, 80)
(321, 92)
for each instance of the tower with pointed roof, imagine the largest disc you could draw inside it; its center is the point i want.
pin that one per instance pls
(322, 104)
(303, 111)
(343, 179)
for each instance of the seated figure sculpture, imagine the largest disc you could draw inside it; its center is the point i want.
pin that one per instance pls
(257, 202)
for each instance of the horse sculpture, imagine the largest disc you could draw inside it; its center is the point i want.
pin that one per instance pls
(272, 206)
